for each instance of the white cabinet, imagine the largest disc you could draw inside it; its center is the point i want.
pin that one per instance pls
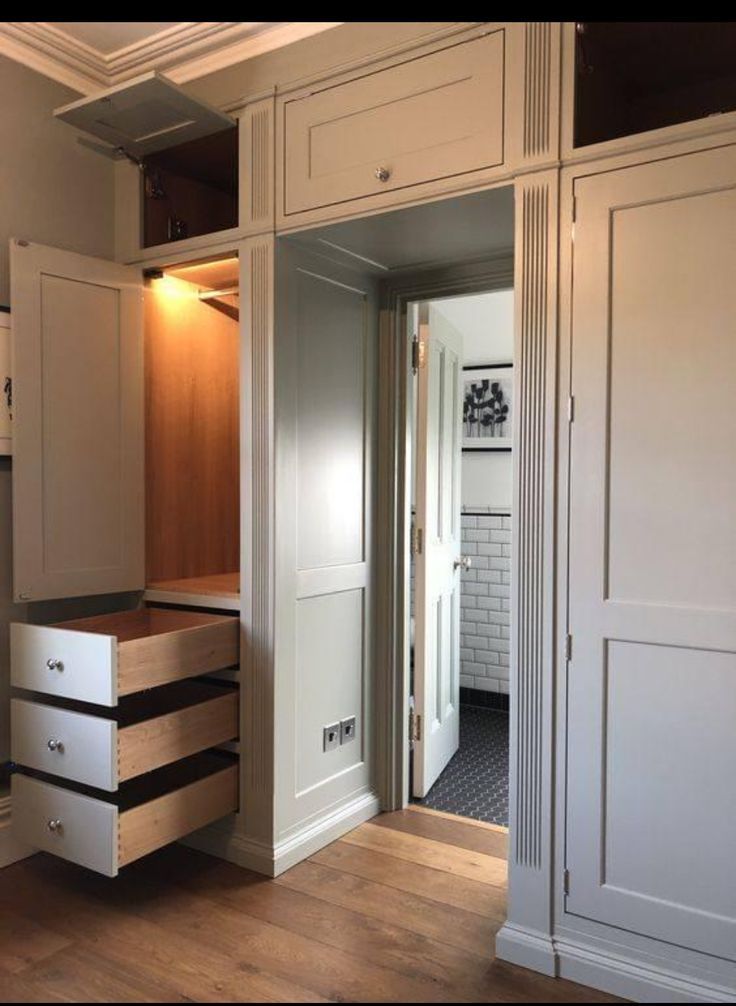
(651, 815)
(430, 118)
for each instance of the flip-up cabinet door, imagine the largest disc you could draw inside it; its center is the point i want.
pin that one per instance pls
(78, 426)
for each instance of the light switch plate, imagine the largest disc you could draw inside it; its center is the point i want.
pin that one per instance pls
(347, 730)
(331, 737)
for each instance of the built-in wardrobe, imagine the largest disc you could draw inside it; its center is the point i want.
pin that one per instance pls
(131, 482)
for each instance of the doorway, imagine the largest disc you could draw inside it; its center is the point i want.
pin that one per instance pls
(460, 461)
(452, 248)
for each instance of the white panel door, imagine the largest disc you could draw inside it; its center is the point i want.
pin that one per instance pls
(651, 820)
(78, 425)
(437, 558)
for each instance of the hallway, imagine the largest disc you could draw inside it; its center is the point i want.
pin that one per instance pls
(402, 909)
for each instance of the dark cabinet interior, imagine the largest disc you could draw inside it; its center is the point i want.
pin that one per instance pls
(191, 189)
(633, 76)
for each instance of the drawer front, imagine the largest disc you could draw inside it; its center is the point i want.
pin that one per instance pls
(75, 827)
(430, 118)
(68, 744)
(74, 665)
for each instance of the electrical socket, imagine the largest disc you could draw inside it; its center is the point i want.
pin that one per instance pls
(331, 737)
(347, 730)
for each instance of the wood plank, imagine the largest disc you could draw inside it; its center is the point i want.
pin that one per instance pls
(415, 849)
(454, 926)
(418, 808)
(158, 822)
(450, 829)
(149, 744)
(117, 922)
(183, 926)
(446, 888)
(24, 942)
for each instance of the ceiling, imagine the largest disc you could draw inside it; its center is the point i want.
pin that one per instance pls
(461, 229)
(90, 56)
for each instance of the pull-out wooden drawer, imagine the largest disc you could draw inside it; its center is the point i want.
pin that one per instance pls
(102, 658)
(149, 730)
(429, 118)
(105, 834)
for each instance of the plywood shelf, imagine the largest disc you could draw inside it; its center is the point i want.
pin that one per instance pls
(218, 590)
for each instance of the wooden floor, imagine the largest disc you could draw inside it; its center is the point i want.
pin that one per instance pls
(403, 909)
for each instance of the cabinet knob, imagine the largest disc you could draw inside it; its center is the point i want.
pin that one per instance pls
(382, 174)
(54, 824)
(464, 562)
(55, 745)
(54, 665)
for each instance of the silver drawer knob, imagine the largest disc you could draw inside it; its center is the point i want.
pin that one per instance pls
(54, 824)
(382, 174)
(54, 745)
(54, 665)
(464, 562)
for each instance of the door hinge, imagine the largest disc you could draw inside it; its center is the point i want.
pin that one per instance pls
(570, 408)
(568, 647)
(415, 725)
(566, 882)
(417, 354)
(416, 540)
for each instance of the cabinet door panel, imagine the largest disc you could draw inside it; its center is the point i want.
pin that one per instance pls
(651, 817)
(78, 468)
(430, 118)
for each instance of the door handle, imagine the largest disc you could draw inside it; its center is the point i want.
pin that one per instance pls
(464, 562)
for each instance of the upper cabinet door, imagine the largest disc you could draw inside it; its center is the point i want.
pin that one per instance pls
(430, 118)
(78, 502)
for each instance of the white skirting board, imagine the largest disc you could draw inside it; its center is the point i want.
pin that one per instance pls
(11, 850)
(223, 841)
(615, 973)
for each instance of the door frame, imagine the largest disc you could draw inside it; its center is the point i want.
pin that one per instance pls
(395, 461)
(535, 644)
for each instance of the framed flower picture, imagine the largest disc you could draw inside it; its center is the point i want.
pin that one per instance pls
(488, 407)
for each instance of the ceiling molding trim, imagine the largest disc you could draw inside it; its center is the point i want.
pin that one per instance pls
(282, 34)
(189, 50)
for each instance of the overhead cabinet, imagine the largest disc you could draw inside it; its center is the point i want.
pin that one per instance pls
(431, 117)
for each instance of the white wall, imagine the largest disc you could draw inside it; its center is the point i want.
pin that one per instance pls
(487, 325)
(54, 191)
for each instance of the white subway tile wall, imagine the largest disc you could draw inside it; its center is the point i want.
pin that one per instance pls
(485, 603)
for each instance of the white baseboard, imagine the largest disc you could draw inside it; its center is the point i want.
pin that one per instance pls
(227, 843)
(11, 850)
(627, 977)
(631, 979)
(528, 948)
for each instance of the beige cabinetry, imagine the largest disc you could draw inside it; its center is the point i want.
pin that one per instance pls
(429, 118)
(122, 740)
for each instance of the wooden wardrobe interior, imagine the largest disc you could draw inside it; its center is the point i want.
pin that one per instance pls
(192, 428)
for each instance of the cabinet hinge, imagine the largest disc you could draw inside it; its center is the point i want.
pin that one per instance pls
(415, 724)
(571, 408)
(568, 647)
(565, 882)
(574, 208)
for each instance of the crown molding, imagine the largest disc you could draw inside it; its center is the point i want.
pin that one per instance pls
(189, 50)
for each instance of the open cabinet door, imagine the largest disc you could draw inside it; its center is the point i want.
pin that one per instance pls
(437, 557)
(78, 500)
